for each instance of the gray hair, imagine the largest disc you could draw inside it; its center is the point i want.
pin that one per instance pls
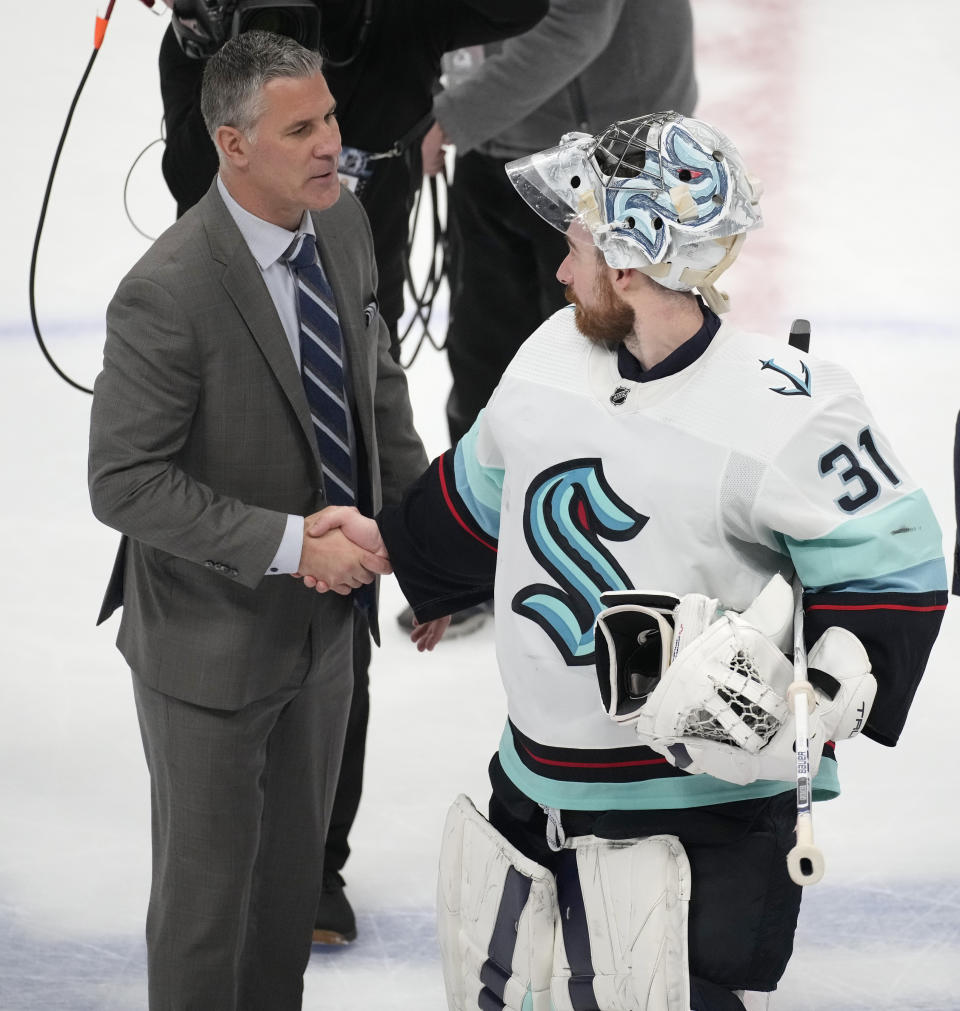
(234, 77)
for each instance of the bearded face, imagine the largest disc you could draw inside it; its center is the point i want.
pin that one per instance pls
(605, 318)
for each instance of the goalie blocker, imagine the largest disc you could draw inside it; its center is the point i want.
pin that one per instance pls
(708, 689)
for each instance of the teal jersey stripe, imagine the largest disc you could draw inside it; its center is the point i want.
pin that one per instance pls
(481, 488)
(889, 542)
(920, 578)
(668, 794)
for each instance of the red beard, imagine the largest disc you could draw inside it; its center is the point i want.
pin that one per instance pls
(609, 320)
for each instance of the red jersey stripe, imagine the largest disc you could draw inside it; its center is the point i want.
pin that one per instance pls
(875, 607)
(594, 765)
(452, 508)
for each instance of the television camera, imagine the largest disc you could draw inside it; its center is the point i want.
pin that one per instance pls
(203, 26)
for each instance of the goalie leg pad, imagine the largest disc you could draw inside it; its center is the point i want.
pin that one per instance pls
(496, 914)
(617, 941)
(621, 944)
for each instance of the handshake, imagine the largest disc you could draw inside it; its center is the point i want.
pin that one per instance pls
(343, 550)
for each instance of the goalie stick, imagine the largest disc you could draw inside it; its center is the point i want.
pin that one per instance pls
(800, 335)
(804, 861)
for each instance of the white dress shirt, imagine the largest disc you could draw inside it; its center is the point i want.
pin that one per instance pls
(267, 243)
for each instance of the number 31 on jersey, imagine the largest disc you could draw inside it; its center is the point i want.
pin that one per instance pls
(856, 470)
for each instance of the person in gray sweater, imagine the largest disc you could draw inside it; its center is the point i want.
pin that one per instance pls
(583, 66)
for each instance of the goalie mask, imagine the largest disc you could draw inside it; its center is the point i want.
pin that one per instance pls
(663, 194)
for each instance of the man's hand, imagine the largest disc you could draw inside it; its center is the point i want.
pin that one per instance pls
(341, 551)
(427, 634)
(360, 529)
(433, 150)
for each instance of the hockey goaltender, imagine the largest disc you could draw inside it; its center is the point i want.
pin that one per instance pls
(638, 495)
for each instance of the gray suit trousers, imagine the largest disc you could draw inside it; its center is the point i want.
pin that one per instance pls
(241, 800)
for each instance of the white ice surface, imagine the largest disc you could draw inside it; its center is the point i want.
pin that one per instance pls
(845, 110)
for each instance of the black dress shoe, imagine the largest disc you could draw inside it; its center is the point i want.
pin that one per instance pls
(335, 922)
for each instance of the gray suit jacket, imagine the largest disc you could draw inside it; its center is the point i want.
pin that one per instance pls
(201, 443)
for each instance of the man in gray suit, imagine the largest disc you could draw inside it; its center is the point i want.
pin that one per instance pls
(204, 453)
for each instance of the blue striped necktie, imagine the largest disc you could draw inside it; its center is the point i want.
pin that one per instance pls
(321, 367)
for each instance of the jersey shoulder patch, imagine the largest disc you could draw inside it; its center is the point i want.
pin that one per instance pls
(755, 393)
(779, 370)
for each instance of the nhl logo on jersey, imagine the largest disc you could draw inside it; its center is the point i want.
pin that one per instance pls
(619, 395)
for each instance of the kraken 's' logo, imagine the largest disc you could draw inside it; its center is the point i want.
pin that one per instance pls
(568, 508)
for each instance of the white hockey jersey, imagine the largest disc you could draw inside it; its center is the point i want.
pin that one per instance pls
(754, 459)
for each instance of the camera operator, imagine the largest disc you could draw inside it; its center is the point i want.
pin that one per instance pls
(382, 64)
(383, 67)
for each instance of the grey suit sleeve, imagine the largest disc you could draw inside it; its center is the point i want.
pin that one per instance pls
(528, 70)
(145, 402)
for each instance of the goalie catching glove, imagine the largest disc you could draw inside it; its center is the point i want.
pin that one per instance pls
(707, 689)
